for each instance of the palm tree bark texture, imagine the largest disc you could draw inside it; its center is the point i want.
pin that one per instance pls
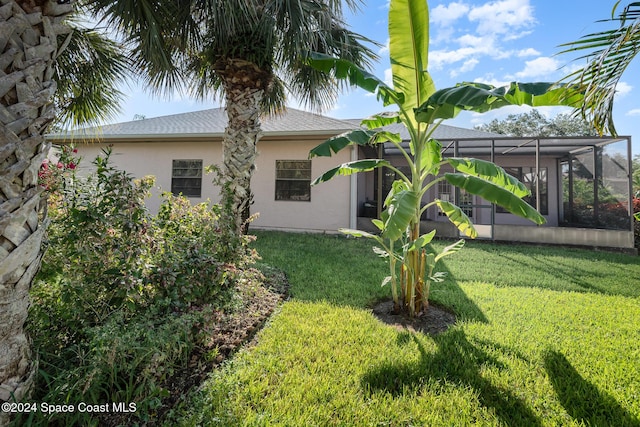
(29, 31)
(244, 85)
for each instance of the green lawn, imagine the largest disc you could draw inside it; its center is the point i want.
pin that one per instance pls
(546, 337)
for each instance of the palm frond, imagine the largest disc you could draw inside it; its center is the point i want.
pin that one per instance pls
(609, 53)
(87, 72)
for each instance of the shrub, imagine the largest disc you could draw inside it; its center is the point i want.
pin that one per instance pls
(191, 261)
(99, 242)
(122, 295)
(636, 220)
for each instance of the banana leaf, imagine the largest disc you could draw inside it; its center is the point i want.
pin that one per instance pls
(349, 168)
(399, 214)
(457, 218)
(480, 98)
(490, 172)
(495, 194)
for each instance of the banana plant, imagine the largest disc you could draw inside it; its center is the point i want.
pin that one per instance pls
(421, 109)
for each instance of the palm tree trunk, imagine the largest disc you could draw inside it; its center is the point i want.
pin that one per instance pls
(28, 47)
(244, 85)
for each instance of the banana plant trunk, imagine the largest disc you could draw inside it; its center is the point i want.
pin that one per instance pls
(416, 292)
(244, 85)
(29, 33)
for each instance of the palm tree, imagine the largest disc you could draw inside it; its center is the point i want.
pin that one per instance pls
(29, 41)
(40, 54)
(251, 52)
(609, 54)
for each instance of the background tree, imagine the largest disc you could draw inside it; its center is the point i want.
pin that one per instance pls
(533, 123)
(635, 167)
(250, 52)
(609, 53)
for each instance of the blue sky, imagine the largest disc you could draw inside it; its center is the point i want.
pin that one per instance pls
(495, 42)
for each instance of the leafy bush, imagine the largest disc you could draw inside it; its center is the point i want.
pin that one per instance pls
(191, 263)
(636, 220)
(122, 294)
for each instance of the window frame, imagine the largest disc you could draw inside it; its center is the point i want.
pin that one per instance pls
(284, 190)
(543, 181)
(192, 190)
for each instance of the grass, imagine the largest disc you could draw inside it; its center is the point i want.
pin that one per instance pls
(545, 337)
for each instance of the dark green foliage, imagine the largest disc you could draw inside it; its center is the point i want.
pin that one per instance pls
(535, 124)
(122, 295)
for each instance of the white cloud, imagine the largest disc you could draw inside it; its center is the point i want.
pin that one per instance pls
(622, 89)
(543, 66)
(490, 79)
(507, 17)
(634, 112)
(472, 41)
(467, 66)
(496, 21)
(527, 52)
(388, 77)
(439, 58)
(445, 15)
(385, 49)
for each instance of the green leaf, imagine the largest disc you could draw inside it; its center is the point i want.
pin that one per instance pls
(451, 249)
(379, 224)
(495, 194)
(457, 218)
(381, 119)
(480, 98)
(343, 69)
(357, 233)
(349, 168)
(422, 241)
(384, 136)
(338, 142)
(431, 156)
(401, 211)
(491, 172)
(409, 51)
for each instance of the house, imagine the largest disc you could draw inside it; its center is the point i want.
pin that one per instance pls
(582, 186)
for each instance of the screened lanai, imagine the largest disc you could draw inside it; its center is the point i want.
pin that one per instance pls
(581, 185)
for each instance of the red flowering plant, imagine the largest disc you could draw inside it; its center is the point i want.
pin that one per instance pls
(52, 173)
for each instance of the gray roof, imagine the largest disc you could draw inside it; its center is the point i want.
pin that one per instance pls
(212, 122)
(207, 123)
(442, 132)
(472, 142)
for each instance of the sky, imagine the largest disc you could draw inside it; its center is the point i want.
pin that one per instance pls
(495, 42)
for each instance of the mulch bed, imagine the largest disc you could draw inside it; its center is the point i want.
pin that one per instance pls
(435, 320)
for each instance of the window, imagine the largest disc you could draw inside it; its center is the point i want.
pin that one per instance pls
(293, 180)
(465, 202)
(444, 193)
(527, 175)
(186, 178)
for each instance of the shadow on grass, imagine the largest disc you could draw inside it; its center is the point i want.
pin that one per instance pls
(581, 399)
(562, 269)
(457, 361)
(345, 271)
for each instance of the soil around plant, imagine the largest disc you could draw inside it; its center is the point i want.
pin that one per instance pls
(226, 332)
(433, 321)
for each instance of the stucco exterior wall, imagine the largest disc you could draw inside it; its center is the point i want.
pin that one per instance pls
(155, 158)
(327, 211)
